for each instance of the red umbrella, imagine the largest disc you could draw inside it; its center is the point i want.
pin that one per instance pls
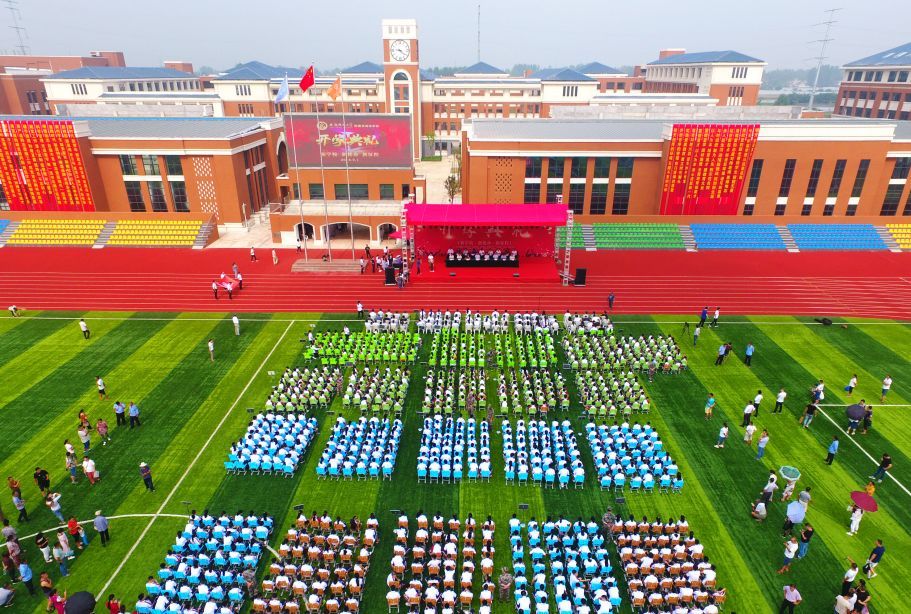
(864, 501)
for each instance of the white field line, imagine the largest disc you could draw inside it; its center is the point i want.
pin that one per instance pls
(119, 516)
(193, 462)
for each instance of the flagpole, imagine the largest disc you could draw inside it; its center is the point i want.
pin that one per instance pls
(347, 170)
(297, 172)
(322, 171)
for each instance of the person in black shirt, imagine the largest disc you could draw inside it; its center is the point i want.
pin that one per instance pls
(806, 534)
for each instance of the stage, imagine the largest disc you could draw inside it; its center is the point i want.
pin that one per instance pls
(529, 269)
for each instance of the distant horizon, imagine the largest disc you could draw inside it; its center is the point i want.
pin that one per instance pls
(586, 31)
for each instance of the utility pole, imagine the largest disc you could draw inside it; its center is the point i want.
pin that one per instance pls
(824, 42)
(13, 7)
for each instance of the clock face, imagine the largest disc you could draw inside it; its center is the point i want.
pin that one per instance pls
(399, 50)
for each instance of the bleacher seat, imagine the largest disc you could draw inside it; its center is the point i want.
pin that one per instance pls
(637, 236)
(836, 237)
(737, 236)
(155, 233)
(56, 232)
(900, 232)
(3, 225)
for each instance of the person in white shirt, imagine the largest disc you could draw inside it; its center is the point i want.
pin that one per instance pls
(748, 414)
(852, 384)
(236, 323)
(779, 401)
(211, 346)
(887, 384)
(748, 434)
(756, 401)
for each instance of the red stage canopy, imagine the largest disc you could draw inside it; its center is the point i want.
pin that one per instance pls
(486, 215)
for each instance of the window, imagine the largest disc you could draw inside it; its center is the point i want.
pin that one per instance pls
(859, 179)
(555, 167)
(242, 90)
(785, 189)
(570, 91)
(156, 191)
(150, 164)
(828, 210)
(851, 210)
(813, 183)
(624, 168)
(621, 199)
(134, 196)
(578, 167)
(779, 209)
(907, 209)
(837, 175)
(753, 187)
(172, 163)
(902, 166)
(532, 193)
(387, 191)
(602, 168)
(533, 167)
(599, 199)
(315, 191)
(807, 209)
(358, 191)
(78, 88)
(406, 191)
(128, 165)
(890, 202)
(577, 197)
(554, 192)
(179, 194)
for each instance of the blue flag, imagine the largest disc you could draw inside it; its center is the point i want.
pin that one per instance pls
(283, 91)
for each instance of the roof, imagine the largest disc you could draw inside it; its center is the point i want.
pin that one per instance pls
(258, 71)
(704, 57)
(481, 68)
(486, 215)
(897, 56)
(560, 74)
(121, 72)
(364, 68)
(597, 68)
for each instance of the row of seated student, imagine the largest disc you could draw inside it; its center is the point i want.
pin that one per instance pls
(479, 255)
(387, 321)
(577, 323)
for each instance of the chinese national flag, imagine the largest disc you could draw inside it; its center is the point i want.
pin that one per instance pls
(307, 80)
(335, 90)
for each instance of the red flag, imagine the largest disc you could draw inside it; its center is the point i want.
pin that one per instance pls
(307, 80)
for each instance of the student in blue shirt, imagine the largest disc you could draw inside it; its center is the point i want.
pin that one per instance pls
(748, 358)
(833, 449)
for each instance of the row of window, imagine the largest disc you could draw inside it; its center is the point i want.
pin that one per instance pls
(155, 86)
(577, 192)
(868, 112)
(136, 196)
(739, 72)
(517, 92)
(474, 109)
(359, 191)
(129, 166)
(674, 72)
(893, 76)
(578, 167)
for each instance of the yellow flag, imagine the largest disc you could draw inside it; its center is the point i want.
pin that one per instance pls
(335, 90)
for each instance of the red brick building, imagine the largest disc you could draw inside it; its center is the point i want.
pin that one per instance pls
(878, 86)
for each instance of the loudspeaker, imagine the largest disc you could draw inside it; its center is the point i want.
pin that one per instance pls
(451, 274)
(390, 276)
(515, 274)
(580, 277)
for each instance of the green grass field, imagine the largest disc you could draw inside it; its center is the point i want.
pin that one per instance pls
(193, 409)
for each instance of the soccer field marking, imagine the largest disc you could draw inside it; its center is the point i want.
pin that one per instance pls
(867, 454)
(90, 520)
(189, 468)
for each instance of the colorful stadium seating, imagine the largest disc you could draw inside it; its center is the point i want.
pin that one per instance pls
(737, 236)
(637, 236)
(157, 233)
(900, 232)
(56, 232)
(836, 237)
(3, 225)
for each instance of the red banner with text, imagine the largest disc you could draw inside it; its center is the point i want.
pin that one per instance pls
(366, 141)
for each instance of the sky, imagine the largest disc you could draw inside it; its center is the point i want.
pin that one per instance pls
(341, 33)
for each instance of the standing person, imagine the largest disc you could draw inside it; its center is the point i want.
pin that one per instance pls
(844, 604)
(867, 419)
(230, 290)
(298, 245)
(146, 474)
(791, 599)
(805, 497)
(703, 316)
(215, 289)
(852, 384)
(748, 434)
(42, 480)
(134, 414)
(363, 264)
(274, 258)
(847, 580)
(85, 438)
(55, 602)
(19, 504)
(430, 262)
(748, 413)
(367, 251)
(696, 332)
(819, 392)
(252, 254)
(53, 503)
(211, 346)
(13, 311)
(875, 558)
(809, 413)
(42, 544)
(101, 427)
(102, 393)
(709, 406)
(722, 435)
(610, 300)
(779, 401)
(887, 385)
(240, 281)
(120, 413)
(715, 317)
(857, 515)
(806, 534)
(790, 551)
(26, 576)
(756, 401)
(863, 597)
(417, 264)
(59, 554)
(788, 490)
(86, 333)
(101, 525)
(235, 269)
(71, 467)
(77, 532)
(113, 605)
(748, 354)
(360, 310)
(832, 450)
(884, 465)
(763, 442)
(722, 352)
(236, 322)
(88, 467)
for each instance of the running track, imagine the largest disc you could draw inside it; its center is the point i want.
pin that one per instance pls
(871, 284)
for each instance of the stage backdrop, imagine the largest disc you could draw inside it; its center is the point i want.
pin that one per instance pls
(706, 168)
(528, 241)
(373, 141)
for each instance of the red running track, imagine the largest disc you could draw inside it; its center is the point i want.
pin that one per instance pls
(871, 284)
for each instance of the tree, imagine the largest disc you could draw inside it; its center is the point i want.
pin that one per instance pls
(432, 140)
(205, 70)
(452, 187)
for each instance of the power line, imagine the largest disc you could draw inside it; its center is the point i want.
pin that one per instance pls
(824, 42)
(13, 7)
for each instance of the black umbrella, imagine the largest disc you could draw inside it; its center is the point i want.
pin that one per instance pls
(855, 412)
(80, 603)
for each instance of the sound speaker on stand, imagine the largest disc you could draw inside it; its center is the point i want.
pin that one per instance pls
(580, 277)
(390, 276)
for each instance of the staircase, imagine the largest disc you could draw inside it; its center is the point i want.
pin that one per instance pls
(885, 235)
(202, 239)
(789, 242)
(104, 235)
(588, 238)
(689, 241)
(8, 232)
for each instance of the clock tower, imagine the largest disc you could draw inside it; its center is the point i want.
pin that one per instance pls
(402, 74)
